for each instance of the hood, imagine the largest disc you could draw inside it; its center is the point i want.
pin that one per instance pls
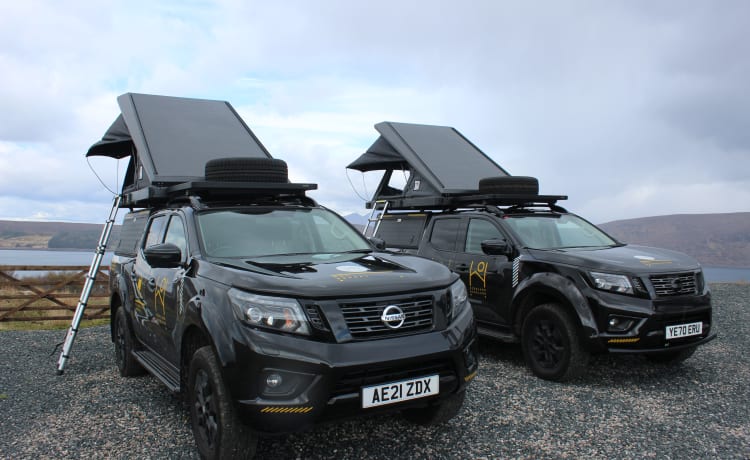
(626, 258)
(329, 275)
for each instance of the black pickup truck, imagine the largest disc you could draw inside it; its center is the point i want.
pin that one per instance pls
(276, 313)
(536, 274)
(564, 288)
(267, 311)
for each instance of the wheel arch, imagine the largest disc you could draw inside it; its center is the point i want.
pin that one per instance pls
(118, 298)
(193, 338)
(542, 288)
(114, 303)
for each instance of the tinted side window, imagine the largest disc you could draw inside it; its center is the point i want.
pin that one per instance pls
(155, 231)
(445, 233)
(480, 230)
(176, 234)
(133, 225)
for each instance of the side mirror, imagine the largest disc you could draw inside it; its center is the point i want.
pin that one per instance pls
(379, 243)
(165, 255)
(497, 247)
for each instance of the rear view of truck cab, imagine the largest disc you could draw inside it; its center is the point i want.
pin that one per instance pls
(267, 311)
(536, 274)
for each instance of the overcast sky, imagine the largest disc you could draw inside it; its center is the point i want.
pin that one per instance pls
(631, 108)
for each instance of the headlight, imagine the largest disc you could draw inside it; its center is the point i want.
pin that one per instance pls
(612, 283)
(458, 299)
(277, 313)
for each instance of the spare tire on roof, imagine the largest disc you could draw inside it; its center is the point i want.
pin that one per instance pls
(244, 169)
(509, 185)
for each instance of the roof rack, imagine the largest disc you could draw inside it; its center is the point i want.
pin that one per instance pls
(156, 196)
(467, 201)
(201, 192)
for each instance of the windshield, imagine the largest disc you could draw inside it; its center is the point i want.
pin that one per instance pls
(257, 232)
(555, 231)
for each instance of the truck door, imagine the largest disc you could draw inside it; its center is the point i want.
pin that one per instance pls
(144, 285)
(157, 288)
(167, 294)
(488, 278)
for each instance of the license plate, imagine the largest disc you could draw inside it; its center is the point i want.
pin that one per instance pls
(395, 392)
(684, 330)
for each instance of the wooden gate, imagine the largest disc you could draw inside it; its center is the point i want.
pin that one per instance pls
(50, 293)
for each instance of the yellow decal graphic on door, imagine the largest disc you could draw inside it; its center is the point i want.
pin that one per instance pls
(478, 279)
(139, 303)
(160, 294)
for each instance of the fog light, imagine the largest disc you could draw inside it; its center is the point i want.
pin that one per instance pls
(273, 380)
(619, 323)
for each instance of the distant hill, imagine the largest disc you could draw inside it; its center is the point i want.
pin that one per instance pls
(51, 235)
(357, 219)
(718, 240)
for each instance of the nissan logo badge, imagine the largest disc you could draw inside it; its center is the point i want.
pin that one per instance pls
(393, 317)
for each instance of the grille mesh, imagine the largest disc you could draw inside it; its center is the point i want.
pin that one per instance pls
(674, 284)
(363, 318)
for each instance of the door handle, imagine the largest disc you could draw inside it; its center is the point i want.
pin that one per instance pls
(152, 282)
(462, 267)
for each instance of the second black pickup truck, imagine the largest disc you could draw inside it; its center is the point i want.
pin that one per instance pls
(536, 274)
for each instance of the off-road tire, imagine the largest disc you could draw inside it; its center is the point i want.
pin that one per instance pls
(247, 170)
(551, 345)
(436, 414)
(124, 346)
(509, 185)
(218, 432)
(671, 358)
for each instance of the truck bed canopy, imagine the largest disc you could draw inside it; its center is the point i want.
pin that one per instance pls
(170, 139)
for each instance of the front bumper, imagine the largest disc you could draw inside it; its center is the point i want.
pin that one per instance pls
(650, 319)
(323, 381)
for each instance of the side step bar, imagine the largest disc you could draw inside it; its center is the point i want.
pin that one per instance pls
(497, 335)
(156, 365)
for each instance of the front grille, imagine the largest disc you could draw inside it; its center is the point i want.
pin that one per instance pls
(364, 318)
(674, 284)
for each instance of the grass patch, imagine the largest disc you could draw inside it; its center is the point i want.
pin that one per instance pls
(49, 325)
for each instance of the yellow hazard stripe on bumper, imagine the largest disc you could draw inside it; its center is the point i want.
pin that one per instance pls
(633, 340)
(286, 410)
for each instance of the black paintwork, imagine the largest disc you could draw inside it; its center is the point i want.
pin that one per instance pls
(562, 276)
(171, 308)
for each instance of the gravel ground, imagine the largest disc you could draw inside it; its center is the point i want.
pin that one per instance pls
(625, 407)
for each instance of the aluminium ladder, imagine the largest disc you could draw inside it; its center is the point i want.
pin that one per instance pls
(374, 219)
(88, 285)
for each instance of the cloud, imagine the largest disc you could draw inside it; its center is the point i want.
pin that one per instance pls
(630, 108)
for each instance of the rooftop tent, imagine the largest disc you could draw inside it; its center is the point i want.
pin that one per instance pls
(170, 139)
(440, 161)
